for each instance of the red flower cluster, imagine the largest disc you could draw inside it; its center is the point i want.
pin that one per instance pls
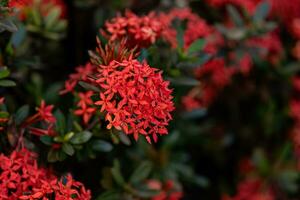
(196, 28)
(135, 98)
(138, 31)
(252, 190)
(21, 178)
(168, 190)
(44, 6)
(249, 5)
(82, 73)
(85, 106)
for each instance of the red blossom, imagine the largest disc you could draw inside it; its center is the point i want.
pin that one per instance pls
(85, 106)
(135, 98)
(167, 190)
(139, 31)
(82, 73)
(22, 178)
(251, 190)
(45, 112)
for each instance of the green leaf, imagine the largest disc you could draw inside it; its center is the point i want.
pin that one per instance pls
(68, 149)
(196, 46)
(22, 114)
(4, 72)
(141, 173)
(88, 86)
(18, 36)
(60, 121)
(124, 138)
(101, 145)
(7, 83)
(117, 175)
(82, 137)
(235, 15)
(47, 140)
(179, 36)
(261, 11)
(52, 17)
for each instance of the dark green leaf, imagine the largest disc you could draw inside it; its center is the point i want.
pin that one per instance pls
(117, 175)
(22, 114)
(60, 121)
(261, 11)
(80, 138)
(47, 140)
(18, 36)
(109, 195)
(4, 114)
(235, 16)
(196, 46)
(53, 156)
(141, 172)
(101, 145)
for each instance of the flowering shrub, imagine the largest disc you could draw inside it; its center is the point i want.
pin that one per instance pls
(173, 100)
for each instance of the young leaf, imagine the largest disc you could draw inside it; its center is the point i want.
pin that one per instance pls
(80, 138)
(141, 173)
(52, 17)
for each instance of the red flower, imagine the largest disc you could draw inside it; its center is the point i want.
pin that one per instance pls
(251, 190)
(138, 31)
(82, 73)
(45, 112)
(167, 191)
(21, 178)
(85, 110)
(135, 98)
(248, 5)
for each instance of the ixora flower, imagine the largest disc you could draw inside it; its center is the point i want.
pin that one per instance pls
(252, 190)
(22, 178)
(139, 31)
(135, 98)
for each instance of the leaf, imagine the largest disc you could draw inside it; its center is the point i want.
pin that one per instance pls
(179, 37)
(4, 72)
(141, 172)
(22, 114)
(116, 172)
(124, 138)
(261, 11)
(194, 114)
(52, 17)
(184, 81)
(88, 86)
(60, 121)
(7, 83)
(18, 36)
(196, 46)
(235, 15)
(68, 149)
(80, 138)
(47, 140)
(101, 145)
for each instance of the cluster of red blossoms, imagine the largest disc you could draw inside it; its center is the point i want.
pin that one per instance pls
(168, 190)
(44, 6)
(138, 31)
(196, 28)
(252, 189)
(21, 178)
(135, 98)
